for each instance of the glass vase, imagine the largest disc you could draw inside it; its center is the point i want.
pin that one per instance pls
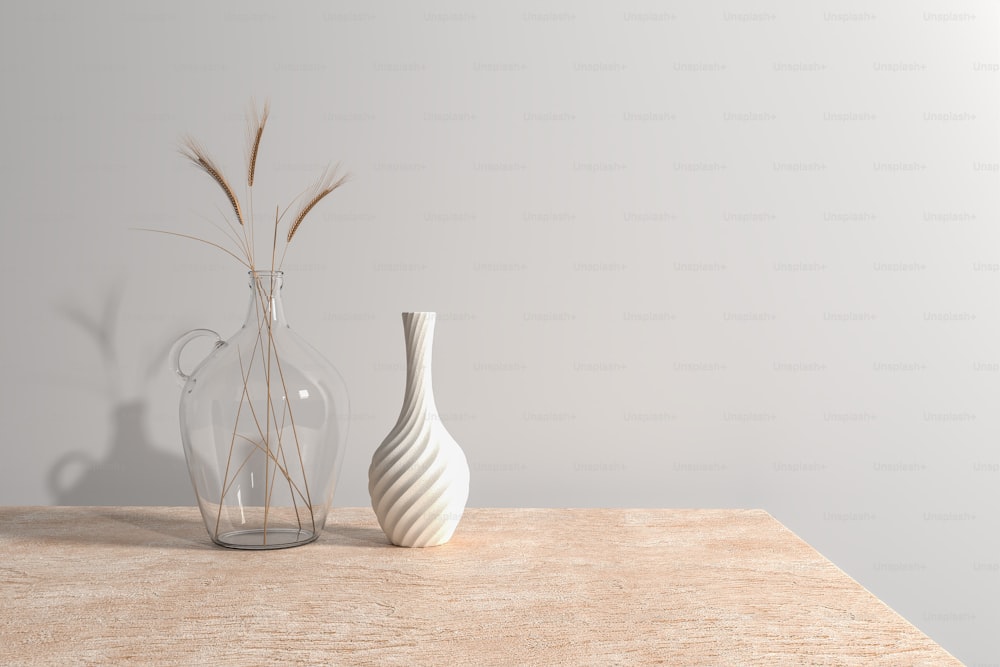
(264, 421)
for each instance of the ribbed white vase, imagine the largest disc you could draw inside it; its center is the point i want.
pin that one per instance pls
(419, 477)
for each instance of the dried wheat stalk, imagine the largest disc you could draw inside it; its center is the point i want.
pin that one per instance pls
(324, 186)
(193, 151)
(256, 122)
(255, 131)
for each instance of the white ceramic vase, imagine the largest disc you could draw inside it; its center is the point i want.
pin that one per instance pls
(419, 477)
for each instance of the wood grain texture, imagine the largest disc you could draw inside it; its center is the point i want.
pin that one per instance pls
(514, 586)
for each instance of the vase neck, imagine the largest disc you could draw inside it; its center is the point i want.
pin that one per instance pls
(419, 332)
(266, 306)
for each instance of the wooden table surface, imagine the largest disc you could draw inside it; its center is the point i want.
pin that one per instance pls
(141, 585)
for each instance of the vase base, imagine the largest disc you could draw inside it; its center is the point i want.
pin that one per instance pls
(259, 539)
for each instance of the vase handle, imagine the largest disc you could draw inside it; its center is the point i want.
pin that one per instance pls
(175, 351)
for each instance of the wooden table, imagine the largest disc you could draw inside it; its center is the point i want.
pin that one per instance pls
(515, 586)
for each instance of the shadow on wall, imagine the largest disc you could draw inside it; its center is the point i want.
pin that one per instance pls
(133, 471)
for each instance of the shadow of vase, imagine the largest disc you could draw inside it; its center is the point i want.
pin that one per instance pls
(134, 471)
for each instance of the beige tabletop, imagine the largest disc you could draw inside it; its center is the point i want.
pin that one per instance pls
(142, 585)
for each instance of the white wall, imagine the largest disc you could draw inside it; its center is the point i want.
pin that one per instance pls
(685, 254)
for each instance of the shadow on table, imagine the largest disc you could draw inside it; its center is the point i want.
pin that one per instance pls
(353, 536)
(151, 527)
(134, 527)
(158, 528)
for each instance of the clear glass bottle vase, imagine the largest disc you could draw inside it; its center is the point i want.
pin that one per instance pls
(264, 422)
